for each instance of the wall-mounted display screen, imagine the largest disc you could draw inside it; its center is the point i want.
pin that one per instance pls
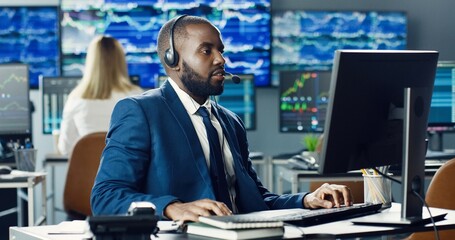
(442, 110)
(54, 93)
(244, 24)
(14, 99)
(307, 40)
(303, 100)
(31, 35)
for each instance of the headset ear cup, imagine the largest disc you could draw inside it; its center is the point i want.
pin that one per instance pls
(169, 58)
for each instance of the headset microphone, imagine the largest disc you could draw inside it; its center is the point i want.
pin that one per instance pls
(235, 78)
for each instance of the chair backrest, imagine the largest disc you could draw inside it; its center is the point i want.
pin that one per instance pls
(82, 169)
(440, 194)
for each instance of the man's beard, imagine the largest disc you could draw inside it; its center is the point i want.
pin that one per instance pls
(197, 85)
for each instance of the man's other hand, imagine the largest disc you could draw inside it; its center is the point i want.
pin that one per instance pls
(328, 196)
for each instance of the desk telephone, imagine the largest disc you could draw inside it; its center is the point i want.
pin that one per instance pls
(302, 162)
(138, 224)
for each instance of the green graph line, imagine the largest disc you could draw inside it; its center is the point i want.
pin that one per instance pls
(11, 78)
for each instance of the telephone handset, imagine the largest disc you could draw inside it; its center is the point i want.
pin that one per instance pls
(139, 223)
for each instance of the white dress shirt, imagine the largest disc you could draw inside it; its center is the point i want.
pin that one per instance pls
(83, 116)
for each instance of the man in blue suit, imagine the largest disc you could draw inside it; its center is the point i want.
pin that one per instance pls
(158, 149)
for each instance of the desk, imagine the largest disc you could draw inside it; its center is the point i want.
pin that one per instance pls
(339, 229)
(29, 182)
(52, 160)
(295, 176)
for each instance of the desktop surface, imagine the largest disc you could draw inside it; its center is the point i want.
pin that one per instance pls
(339, 229)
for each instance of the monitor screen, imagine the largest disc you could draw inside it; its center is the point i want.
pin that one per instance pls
(239, 98)
(303, 100)
(14, 99)
(15, 114)
(54, 93)
(306, 40)
(364, 123)
(31, 35)
(377, 115)
(245, 26)
(442, 111)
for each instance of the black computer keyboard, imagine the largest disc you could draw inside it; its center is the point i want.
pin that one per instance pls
(319, 216)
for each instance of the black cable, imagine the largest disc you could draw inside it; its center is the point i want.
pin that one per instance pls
(387, 176)
(436, 232)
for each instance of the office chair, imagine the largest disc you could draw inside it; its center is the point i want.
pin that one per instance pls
(440, 194)
(82, 168)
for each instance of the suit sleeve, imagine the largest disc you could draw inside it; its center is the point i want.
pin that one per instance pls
(125, 163)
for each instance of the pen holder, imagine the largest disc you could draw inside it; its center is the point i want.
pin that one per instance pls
(25, 159)
(377, 189)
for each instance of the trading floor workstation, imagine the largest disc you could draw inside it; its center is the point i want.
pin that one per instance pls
(360, 80)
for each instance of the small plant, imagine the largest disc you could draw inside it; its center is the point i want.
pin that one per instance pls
(310, 141)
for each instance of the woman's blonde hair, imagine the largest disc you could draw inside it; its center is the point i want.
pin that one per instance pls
(105, 70)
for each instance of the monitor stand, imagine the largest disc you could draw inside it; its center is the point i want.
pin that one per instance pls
(415, 121)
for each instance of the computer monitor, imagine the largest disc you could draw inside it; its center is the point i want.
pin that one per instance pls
(245, 26)
(54, 93)
(239, 98)
(307, 39)
(442, 111)
(15, 115)
(30, 34)
(303, 100)
(377, 115)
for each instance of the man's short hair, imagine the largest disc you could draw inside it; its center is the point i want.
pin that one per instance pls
(180, 33)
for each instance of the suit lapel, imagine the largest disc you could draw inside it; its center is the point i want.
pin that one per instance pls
(186, 126)
(249, 198)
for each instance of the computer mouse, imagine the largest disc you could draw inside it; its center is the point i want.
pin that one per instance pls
(5, 170)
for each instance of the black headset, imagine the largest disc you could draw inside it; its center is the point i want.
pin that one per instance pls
(171, 57)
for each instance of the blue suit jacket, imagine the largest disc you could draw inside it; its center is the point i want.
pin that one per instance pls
(153, 154)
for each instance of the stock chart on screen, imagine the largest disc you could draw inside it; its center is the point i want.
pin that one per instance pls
(30, 35)
(306, 40)
(303, 100)
(245, 28)
(442, 110)
(14, 99)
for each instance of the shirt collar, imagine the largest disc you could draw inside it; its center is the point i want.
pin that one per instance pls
(188, 102)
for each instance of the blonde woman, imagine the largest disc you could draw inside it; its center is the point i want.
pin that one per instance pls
(105, 81)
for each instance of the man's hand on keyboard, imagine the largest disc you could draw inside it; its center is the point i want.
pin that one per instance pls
(328, 196)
